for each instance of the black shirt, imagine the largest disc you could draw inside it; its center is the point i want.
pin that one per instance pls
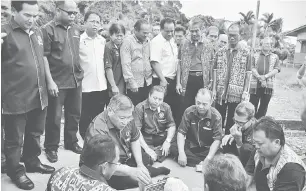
(61, 47)
(22, 70)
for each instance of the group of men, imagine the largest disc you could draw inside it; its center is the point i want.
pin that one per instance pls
(172, 80)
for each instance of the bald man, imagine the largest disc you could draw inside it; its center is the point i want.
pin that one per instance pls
(223, 40)
(61, 51)
(231, 74)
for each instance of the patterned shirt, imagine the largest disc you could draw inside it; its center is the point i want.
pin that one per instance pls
(84, 178)
(135, 60)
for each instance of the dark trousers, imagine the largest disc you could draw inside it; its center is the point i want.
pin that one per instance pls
(141, 95)
(227, 111)
(193, 85)
(194, 155)
(171, 98)
(93, 103)
(264, 102)
(243, 155)
(155, 142)
(23, 130)
(71, 99)
(127, 182)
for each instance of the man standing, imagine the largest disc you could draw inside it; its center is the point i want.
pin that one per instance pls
(240, 140)
(135, 60)
(212, 34)
(232, 64)
(200, 132)
(117, 122)
(163, 55)
(61, 47)
(273, 165)
(301, 75)
(195, 66)
(265, 65)
(222, 41)
(101, 159)
(94, 86)
(155, 29)
(24, 94)
(154, 119)
(179, 35)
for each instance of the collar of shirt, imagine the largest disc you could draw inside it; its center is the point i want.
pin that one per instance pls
(91, 173)
(15, 25)
(57, 23)
(107, 120)
(274, 162)
(147, 106)
(138, 41)
(114, 46)
(85, 36)
(206, 116)
(265, 54)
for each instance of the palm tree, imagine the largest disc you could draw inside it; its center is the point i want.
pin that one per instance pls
(247, 18)
(267, 18)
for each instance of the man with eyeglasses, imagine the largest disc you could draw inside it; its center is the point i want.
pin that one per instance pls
(200, 132)
(163, 59)
(24, 96)
(240, 139)
(94, 86)
(232, 63)
(101, 159)
(274, 165)
(195, 66)
(117, 122)
(61, 51)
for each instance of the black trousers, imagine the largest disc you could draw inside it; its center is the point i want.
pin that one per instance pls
(127, 182)
(171, 98)
(264, 102)
(245, 151)
(23, 130)
(194, 155)
(193, 85)
(141, 95)
(93, 103)
(227, 111)
(71, 99)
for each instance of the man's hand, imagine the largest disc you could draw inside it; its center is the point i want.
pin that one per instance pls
(237, 134)
(151, 153)
(165, 148)
(163, 83)
(52, 89)
(245, 96)
(115, 90)
(263, 83)
(2, 36)
(134, 89)
(182, 159)
(141, 174)
(214, 94)
(262, 78)
(227, 139)
(179, 88)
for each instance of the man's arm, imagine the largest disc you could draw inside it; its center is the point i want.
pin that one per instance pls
(179, 88)
(155, 59)
(108, 62)
(156, 67)
(275, 70)
(181, 143)
(136, 150)
(126, 60)
(302, 71)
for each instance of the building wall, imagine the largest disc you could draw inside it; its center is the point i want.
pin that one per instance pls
(302, 35)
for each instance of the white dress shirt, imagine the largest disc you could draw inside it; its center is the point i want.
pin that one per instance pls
(165, 53)
(91, 60)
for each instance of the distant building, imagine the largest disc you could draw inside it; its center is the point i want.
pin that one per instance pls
(300, 48)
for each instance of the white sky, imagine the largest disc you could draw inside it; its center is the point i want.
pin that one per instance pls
(292, 11)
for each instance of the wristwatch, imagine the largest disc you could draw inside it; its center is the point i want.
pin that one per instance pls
(266, 76)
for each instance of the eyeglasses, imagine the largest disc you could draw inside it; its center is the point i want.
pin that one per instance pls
(239, 123)
(69, 12)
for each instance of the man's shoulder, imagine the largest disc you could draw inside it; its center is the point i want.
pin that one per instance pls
(140, 105)
(7, 28)
(190, 110)
(165, 106)
(215, 113)
(100, 122)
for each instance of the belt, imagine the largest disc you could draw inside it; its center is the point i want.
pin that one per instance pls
(194, 73)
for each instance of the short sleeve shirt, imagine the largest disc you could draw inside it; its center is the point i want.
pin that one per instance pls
(61, 47)
(153, 122)
(201, 131)
(165, 53)
(123, 138)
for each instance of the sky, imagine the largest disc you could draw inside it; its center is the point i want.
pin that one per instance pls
(292, 11)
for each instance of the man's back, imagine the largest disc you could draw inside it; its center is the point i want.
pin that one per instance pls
(69, 178)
